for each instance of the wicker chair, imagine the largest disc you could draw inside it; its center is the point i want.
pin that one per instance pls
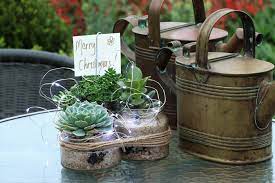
(20, 74)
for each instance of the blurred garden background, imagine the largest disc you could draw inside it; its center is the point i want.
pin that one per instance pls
(50, 24)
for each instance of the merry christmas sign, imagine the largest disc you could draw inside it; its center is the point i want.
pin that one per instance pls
(94, 54)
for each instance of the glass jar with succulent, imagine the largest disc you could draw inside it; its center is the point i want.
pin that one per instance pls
(86, 122)
(141, 115)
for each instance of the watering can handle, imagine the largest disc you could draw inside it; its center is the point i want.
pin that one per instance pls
(154, 19)
(208, 25)
(120, 27)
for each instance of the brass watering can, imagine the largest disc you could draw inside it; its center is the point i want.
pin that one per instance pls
(151, 35)
(225, 100)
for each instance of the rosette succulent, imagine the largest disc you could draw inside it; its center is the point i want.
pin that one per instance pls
(84, 118)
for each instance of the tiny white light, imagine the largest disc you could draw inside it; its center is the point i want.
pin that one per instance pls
(110, 132)
(56, 84)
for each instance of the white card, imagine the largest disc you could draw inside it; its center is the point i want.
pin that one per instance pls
(94, 54)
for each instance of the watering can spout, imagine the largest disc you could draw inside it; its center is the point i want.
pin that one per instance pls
(265, 105)
(162, 58)
(235, 43)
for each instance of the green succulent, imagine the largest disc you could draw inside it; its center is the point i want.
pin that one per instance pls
(84, 119)
(64, 99)
(99, 89)
(134, 88)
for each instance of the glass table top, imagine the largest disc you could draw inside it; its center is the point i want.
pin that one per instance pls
(29, 152)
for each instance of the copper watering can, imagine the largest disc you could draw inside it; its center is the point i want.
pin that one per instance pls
(225, 100)
(151, 35)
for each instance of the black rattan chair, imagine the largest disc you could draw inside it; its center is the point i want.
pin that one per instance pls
(20, 74)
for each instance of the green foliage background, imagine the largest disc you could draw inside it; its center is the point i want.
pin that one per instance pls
(33, 24)
(100, 16)
(264, 23)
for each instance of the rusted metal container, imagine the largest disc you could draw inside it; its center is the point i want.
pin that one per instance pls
(151, 35)
(225, 101)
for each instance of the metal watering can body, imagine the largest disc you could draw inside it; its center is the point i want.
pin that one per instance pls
(225, 100)
(151, 35)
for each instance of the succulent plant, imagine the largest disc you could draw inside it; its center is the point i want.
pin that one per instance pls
(100, 89)
(64, 99)
(134, 88)
(84, 118)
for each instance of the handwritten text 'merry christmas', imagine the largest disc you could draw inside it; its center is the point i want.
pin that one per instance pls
(82, 46)
(94, 54)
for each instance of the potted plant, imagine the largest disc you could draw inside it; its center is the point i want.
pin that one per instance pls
(83, 126)
(141, 116)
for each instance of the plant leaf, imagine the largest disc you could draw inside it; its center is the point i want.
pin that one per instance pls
(66, 127)
(151, 94)
(81, 124)
(137, 101)
(134, 73)
(79, 133)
